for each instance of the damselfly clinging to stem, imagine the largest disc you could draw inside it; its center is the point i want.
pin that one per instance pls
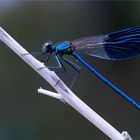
(120, 45)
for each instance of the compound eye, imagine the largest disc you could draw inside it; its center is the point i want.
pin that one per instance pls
(47, 46)
(48, 43)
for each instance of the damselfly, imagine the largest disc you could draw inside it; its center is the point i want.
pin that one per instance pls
(120, 45)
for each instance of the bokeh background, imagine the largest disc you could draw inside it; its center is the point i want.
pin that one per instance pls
(25, 114)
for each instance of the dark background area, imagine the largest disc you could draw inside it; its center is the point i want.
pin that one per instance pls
(25, 114)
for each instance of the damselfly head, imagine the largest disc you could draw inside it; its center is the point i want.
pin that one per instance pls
(47, 47)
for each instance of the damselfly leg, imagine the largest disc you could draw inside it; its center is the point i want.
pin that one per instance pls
(60, 67)
(75, 67)
(44, 58)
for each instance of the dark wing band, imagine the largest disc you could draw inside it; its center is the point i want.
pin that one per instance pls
(118, 45)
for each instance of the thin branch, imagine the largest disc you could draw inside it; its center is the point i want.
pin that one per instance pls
(67, 95)
(51, 94)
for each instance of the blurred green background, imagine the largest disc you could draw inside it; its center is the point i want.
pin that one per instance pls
(25, 114)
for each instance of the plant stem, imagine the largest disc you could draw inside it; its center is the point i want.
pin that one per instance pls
(67, 95)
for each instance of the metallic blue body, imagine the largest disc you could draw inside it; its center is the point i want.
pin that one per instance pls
(62, 48)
